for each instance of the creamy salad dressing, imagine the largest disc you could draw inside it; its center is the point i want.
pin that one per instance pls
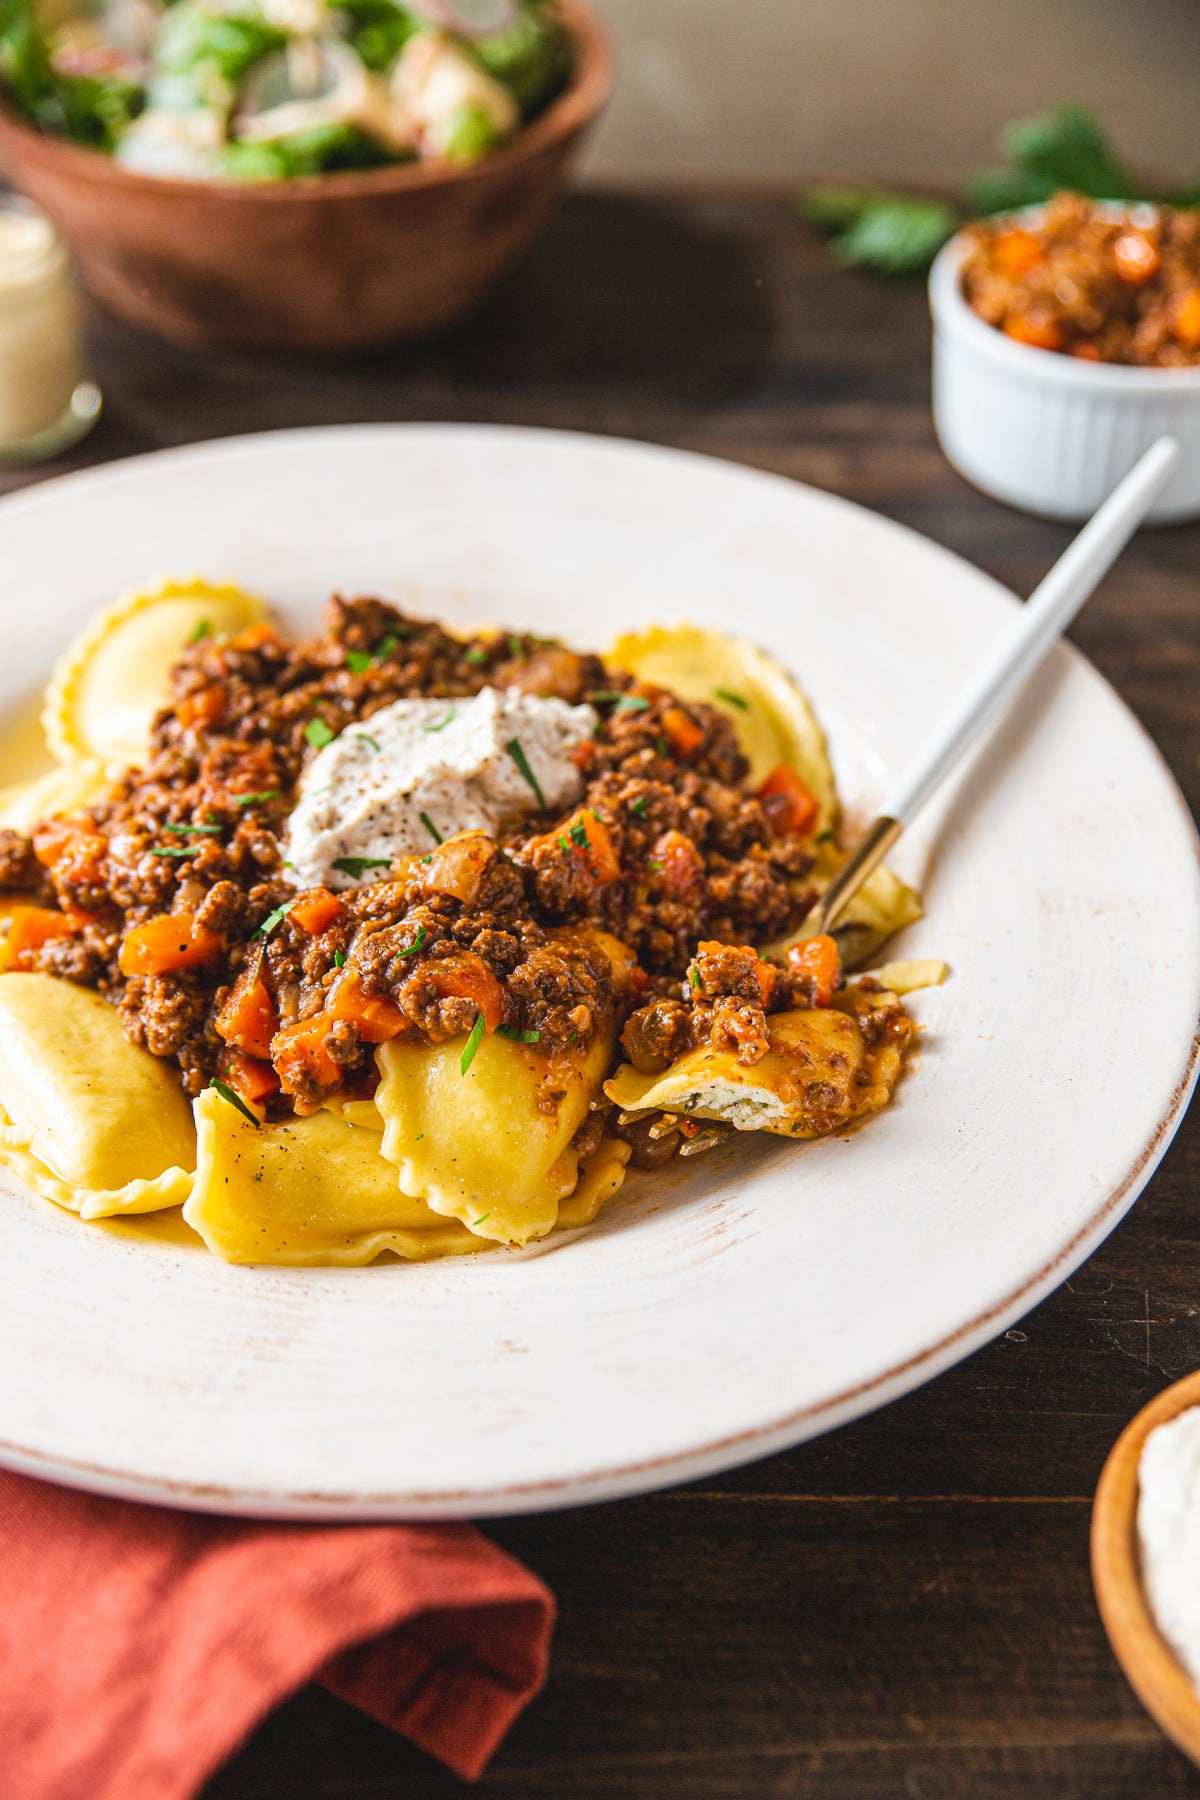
(1169, 1533)
(421, 770)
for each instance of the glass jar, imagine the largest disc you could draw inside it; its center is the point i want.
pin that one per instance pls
(45, 402)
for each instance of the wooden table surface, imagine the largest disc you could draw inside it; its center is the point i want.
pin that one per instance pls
(902, 1607)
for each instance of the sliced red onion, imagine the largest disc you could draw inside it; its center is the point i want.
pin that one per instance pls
(467, 18)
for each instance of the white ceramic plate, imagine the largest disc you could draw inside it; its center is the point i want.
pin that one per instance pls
(748, 1299)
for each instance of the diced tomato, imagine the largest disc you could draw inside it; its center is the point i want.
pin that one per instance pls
(316, 911)
(1186, 320)
(1016, 252)
(1137, 258)
(802, 806)
(1039, 334)
(682, 864)
(248, 1019)
(170, 941)
(252, 1079)
(817, 961)
(29, 927)
(683, 731)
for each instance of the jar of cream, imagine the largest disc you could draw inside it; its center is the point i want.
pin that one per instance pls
(45, 402)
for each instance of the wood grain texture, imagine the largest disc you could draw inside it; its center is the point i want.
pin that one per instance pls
(904, 1607)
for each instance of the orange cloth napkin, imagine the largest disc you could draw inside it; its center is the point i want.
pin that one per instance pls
(140, 1646)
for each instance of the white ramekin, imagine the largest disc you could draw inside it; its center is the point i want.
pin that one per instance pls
(1048, 433)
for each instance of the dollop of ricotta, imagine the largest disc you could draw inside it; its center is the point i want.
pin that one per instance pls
(1169, 1532)
(419, 771)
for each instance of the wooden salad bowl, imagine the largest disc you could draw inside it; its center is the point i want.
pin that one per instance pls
(1150, 1665)
(341, 261)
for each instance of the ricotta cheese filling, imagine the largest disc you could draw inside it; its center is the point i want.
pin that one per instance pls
(418, 771)
(1169, 1533)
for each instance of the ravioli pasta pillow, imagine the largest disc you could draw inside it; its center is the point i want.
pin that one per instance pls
(115, 676)
(482, 1147)
(306, 1191)
(90, 1120)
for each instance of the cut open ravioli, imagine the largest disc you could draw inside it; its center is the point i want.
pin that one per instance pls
(818, 1076)
(90, 1121)
(115, 676)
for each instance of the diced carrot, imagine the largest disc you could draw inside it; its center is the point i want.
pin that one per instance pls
(766, 980)
(1016, 252)
(802, 805)
(1187, 319)
(467, 977)
(62, 838)
(248, 1019)
(583, 755)
(1039, 334)
(29, 927)
(201, 708)
(316, 911)
(170, 941)
(682, 864)
(683, 731)
(817, 961)
(252, 1079)
(300, 1053)
(375, 1017)
(251, 636)
(597, 849)
(1137, 258)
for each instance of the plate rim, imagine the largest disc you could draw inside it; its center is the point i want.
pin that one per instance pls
(647, 1474)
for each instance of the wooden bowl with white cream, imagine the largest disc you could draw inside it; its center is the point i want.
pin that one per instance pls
(1158, 1488)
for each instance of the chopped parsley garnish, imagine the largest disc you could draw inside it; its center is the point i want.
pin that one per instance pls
(339, 959)
(442, 723)
(631, 703)
(364, 737)
(234, 1099)
(732, 698)
(274, 919)
(482, 1217)
(186, 830)
(432, 829)
(823, 837)
(354, 866)
(427, 859)
(359, 661)
(475, 655)
(639, 807)
(660, 744)
(203, 630)
(579, 836)
(392, 642)
(518, 755)
(318, 734)
(256, 799)
(652, 862)
(694, 979)
(418, 943)
(563, 845)
(690, 1102)
(516, 648)
(518, 1036)
(472, 1044)
(175, 850)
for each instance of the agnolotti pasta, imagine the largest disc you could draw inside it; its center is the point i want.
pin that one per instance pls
(396, 1030)
(90, 1121)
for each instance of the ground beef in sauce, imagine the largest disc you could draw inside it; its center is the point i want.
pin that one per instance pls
(681, 850)
(1090, 279)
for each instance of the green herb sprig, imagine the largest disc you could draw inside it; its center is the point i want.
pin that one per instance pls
(234, 1099)
(518, 755)
(472, 1044)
